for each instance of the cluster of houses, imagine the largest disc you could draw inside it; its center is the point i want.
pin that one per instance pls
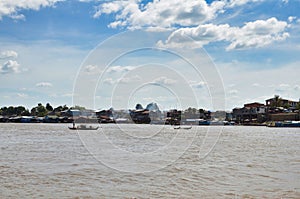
(275, 109)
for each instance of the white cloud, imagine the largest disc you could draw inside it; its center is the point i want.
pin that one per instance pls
(163, 14)
(22, 95)
(123, 80)
(233, 92)
(86, 1)
(10, 67)
(120, 69)
(44, 84)
(92, 69)
(109, 81)
(200, 84)
(8, 54)
(253, 34)
(284, 85)
(17, 16)
(11, 8)
(126, 80)
(68, 95)
(291, 18)
(164, 80)
(282, 88)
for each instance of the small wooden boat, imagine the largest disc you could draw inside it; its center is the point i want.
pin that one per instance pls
(83, 127)
(182, 127)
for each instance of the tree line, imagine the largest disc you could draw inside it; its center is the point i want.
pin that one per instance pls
(40, 110)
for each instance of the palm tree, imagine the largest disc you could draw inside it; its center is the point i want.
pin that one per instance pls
(277, 102)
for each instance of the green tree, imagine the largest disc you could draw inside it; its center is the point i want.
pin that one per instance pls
(14, 111)
(3, 111)
(33, 111)
(10, 111)
(49, 107)
(19, 110)
(58, 109)
(65, 107)
(41, 110)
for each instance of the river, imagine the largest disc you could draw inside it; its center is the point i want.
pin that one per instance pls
(148, 161)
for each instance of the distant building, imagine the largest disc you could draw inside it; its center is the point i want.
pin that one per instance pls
(173, 117)
(150, 114)
(280, 109)
(105, 116)
(140, 116)
(250, 113)
(276, 101)
(254, 105)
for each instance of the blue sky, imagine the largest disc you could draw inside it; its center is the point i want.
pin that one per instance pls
(49, 47)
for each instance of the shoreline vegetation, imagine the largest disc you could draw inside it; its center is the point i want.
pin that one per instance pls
(276, 109)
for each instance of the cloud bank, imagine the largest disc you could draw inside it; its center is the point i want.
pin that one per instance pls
(253, 34)
(193, 19)
(11, 8)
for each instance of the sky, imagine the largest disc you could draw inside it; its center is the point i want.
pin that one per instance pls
(180, 53)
